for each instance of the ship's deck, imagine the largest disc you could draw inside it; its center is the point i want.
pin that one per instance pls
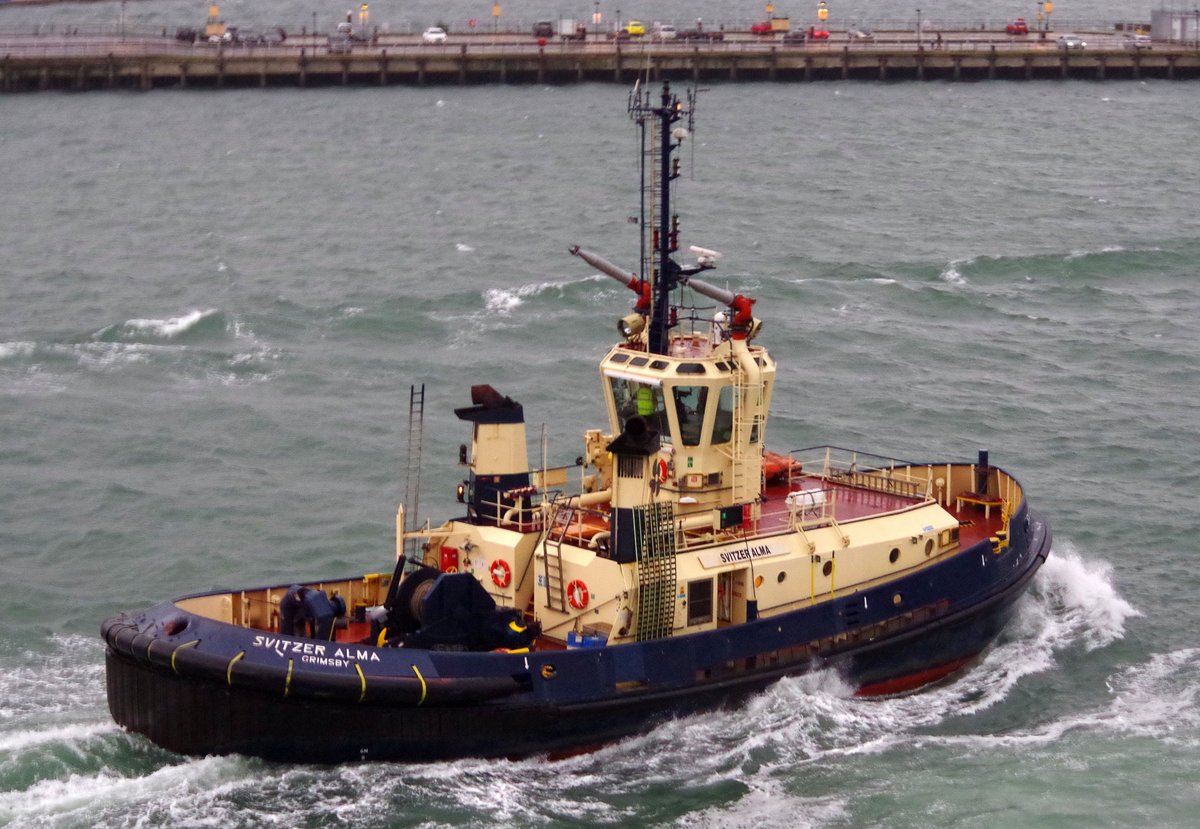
(978, 518)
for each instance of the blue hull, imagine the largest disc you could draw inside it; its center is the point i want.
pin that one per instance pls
(213, 688)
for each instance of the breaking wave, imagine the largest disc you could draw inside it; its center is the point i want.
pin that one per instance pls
(171, 328)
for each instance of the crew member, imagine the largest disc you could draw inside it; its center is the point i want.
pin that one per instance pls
(303, 605)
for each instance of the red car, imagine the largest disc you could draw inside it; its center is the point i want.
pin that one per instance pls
(1017, 27)
(761, 28)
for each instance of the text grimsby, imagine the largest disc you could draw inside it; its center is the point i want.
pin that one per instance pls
(315, 652)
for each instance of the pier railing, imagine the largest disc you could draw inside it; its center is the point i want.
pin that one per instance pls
(91, 44)
(84, 61)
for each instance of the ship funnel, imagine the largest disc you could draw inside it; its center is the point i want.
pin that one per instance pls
(499, 477)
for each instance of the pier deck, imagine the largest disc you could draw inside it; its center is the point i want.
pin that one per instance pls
(65, 63)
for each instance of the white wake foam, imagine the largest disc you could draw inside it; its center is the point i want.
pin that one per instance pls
(1083, 598)
(505, 300)
(172, 326)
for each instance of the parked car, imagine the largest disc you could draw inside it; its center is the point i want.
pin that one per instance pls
(664, 31)
(812, 33)
(434, 35)
(763, 27)
(700, 34)
(635, 28)
(543, 28)
(1071, 42)
(1017, 27)
(236, 34)
(359, 34)
(1136, 41)
(860, 35)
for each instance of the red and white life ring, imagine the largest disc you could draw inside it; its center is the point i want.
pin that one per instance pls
(501, 573)
(577, 594)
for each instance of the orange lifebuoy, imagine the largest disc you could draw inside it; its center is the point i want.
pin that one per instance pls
(662, 471)
(501, 573)
(577, 594)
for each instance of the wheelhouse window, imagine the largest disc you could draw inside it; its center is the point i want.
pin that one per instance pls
(643, 399)
(699, 602)
(723, 424)
(689, 412)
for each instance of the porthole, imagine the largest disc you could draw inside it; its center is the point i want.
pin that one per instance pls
(929, 547)
(897, 600)
(894, 555)
(548, 672)
(828, 568)
(782, 575)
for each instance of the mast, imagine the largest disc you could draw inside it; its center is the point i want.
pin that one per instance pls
(665, 271)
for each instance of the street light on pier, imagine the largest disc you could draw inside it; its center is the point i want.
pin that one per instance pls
(918, 27)
(1046, 8)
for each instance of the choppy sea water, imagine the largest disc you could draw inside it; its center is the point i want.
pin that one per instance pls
(214, 305)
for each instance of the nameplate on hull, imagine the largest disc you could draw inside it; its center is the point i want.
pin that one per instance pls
(748, 553)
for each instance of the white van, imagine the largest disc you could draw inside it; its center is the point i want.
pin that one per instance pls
(664, 31)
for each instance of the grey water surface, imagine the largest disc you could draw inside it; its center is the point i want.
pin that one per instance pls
(212, 305)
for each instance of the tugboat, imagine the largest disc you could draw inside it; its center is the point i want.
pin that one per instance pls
(685, 569)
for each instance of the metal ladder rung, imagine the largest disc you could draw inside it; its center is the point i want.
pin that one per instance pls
(412, 484)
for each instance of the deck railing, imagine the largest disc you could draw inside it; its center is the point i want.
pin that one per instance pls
(866, 471)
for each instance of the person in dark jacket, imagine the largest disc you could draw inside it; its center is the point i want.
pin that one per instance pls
(301, 605)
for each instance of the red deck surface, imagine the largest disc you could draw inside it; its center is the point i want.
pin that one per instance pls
(851, 503)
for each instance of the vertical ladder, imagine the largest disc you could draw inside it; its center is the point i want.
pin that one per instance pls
(412, 484)
(656, 570)
(746, 412)
(556, 528)
(652, 196)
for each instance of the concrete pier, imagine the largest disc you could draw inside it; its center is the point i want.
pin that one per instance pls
(32, 64)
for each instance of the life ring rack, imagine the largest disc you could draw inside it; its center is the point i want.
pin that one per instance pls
(501, 573)
(577, 594)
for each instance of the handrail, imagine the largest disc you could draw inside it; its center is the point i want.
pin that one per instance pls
(47, 46)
